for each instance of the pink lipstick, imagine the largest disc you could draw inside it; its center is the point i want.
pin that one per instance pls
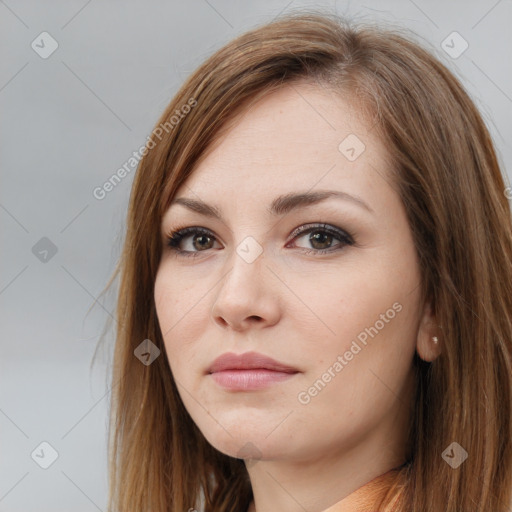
(248, 371)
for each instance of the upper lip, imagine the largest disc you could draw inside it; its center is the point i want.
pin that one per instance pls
(248, 361)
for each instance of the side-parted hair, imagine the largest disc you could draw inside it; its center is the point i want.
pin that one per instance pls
(449, 180)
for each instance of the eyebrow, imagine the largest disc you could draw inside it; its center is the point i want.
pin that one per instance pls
(280, 205)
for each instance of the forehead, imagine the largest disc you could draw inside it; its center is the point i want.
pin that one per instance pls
(300, 137)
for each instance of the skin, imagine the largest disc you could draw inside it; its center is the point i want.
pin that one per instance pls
(301, 309)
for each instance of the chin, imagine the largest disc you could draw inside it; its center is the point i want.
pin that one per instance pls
(245, 440)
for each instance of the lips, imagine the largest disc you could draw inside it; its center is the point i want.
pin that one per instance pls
(248, 361)
(249, 372)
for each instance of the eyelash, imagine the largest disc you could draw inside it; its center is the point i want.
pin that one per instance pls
(175, 237)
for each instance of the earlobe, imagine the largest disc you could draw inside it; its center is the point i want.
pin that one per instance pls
(429, 349)
(429, 339)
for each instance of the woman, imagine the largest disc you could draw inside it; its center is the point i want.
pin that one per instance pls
(344, 342)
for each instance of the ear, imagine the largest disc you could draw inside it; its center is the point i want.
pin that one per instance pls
(426, 346)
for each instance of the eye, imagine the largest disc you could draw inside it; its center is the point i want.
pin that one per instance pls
(200, 238)
(321, 237)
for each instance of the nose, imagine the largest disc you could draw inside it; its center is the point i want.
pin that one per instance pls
(247, 296)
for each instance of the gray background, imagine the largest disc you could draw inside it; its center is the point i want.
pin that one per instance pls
(68, 122)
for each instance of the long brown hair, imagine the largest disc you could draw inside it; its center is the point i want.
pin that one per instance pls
(449, 179)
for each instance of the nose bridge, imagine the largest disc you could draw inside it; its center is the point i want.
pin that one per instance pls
(245, 291)
(247, 264)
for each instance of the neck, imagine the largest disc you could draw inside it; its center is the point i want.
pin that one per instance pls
(318, 484)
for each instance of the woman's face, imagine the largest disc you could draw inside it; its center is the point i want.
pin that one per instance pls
(344, 323)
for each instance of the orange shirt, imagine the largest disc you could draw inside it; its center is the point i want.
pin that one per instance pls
(368, 497)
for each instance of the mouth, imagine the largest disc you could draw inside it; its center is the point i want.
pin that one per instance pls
(249, 371)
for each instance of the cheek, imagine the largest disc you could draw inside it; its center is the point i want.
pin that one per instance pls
(344, 304)
(353, 385)
(366, 315)
(181, 315)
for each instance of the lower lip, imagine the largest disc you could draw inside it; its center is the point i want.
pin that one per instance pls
(246, 380)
